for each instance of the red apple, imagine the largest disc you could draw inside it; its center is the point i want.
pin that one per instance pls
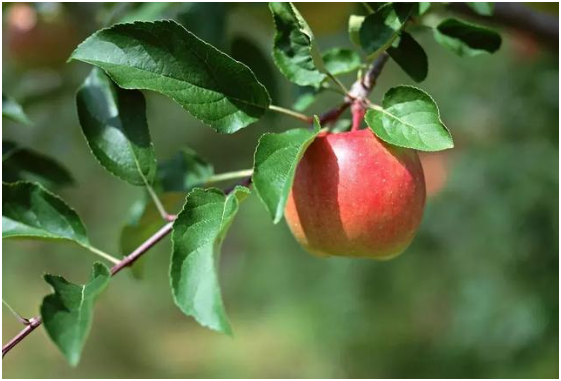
(356, 196)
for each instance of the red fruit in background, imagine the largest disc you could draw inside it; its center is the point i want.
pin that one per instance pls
(356, 196)
(34, 40)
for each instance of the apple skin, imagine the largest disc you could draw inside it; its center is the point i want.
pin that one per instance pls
(355, 196)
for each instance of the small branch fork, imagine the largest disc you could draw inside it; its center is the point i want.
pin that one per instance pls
(356, 98)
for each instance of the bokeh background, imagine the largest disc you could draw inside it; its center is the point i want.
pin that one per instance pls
(476, 294)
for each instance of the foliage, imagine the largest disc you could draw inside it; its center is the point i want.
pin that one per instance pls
(216, 88)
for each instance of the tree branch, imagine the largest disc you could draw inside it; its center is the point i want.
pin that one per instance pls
(357, 95)
(542, 26)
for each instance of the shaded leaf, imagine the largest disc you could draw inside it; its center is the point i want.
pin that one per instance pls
(144, 220)
(410, 56)
(149, 11)
(68, 313)
(13, 111)
(207, 21)
(183, 171)
(294, 49)
(276, 159)
(307, 97)
(31, 211)
(20, 163)
(114, 123)
(245, 50)
(482, 8)
(340, 61)
(466, 39)
(379, 29)
(163, 56)
(409, 118)
(197, 236)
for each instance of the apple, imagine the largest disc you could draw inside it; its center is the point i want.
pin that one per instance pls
(356, 196)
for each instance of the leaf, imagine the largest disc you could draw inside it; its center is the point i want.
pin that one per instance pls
(68, 313)
(183, 171)
(144, 220)
(213, 30)
(423, 7)
(150, 11)
(197, 236)
(466, 39)
(380, 28)
(340, 61)
(164, 57)
(31, 211)
(12, 110)
(294, 49)
(307, 97)
(20, 163)
(114, 123)
(355, 22)
(410, 118)
(411, 57)
(482, 8)
(276, 159)
(250, 53)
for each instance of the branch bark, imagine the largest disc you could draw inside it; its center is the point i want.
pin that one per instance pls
(358, 93)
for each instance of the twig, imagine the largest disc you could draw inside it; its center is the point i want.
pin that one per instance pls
(365, 85)
(125, 262)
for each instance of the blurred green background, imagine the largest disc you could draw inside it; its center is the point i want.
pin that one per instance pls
(476, 295)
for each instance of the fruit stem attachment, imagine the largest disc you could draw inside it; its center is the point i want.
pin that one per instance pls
(358, 111)
(229, 176)
(294, 114)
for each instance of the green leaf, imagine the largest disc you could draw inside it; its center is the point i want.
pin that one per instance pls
(380, 28)
(355, 22)
(208, 21)
(294, 49)
(307, 97)
(197, 236)
(149, 11)
(31, 211)
(68, 313)
(144, 220)
(466, 39)
(114, 123)
(340, 61)
(163, 56)
(409, 118)
(423, 7)
(250, 53)
(411, 57)
(12, 110)
(183, 171)
(20, 163)
(482, 8)
(276, 159)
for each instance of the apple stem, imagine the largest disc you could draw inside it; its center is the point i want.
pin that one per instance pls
(358, 112)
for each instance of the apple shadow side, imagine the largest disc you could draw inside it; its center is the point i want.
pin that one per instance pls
(315, 197)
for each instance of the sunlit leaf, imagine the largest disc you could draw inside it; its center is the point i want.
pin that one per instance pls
(197, 236)
(276, 159)
(410, 118)
(163, 56)
(294, 49)
(31, 211)
(340, 61)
